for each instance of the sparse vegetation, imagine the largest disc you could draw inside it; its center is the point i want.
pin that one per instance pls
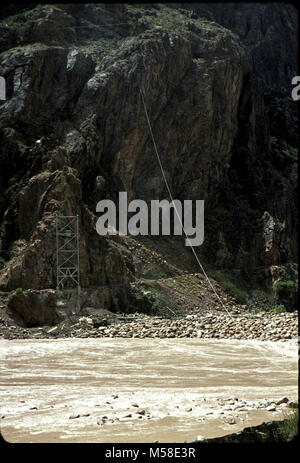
(279, 309)
(283, 288)
(255, 310)
(166, 17)
(163, 16)
(233, 291)
(288, 428)
(157, 272)
(286, 293)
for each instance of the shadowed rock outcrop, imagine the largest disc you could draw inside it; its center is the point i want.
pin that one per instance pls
(268, 432)
(36, 308)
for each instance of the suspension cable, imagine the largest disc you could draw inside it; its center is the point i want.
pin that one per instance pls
(171, 197)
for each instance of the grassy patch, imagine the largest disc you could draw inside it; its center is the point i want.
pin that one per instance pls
(104, 44)
(286, 294)
(157, 272)
(288, 428)
(163, 16)
(279, 309)
(283, 288)
(230, 288)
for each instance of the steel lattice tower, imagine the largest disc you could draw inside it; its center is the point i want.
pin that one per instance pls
(67, 252)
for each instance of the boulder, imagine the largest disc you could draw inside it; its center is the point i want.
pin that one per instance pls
(37, 308)
(99, 317)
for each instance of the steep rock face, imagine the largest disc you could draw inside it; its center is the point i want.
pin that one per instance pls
(110, 112)
(267, 30)
(42, 81)
(34, 263)
(74, 131)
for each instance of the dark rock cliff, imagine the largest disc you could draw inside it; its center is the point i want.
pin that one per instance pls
(217, 84)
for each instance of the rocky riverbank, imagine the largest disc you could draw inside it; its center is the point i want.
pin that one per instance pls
(264, 326)
(270, 431)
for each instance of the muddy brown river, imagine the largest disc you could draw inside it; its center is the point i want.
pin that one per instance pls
(141, 390)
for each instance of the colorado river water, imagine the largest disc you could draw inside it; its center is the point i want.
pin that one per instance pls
(140, 390)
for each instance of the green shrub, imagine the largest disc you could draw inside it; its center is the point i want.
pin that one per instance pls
(284, 288)
(279, 309)
(288, 428)
(233, 291)
(286, 294)
(19, 290)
